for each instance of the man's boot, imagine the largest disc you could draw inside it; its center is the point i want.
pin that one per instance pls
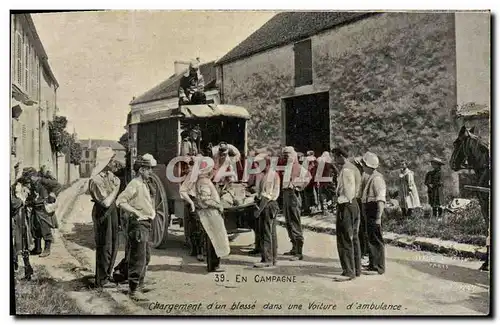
(16, 263)
(37, 250)
(46, 251)
(292, 251)
(486, 264)
(28, 270)
(298, 252)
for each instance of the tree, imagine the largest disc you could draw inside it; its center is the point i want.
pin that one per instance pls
(124, 140)
(75, 150)
(59, 137)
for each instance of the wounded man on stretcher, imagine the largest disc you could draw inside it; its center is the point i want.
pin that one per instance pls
(235, 196)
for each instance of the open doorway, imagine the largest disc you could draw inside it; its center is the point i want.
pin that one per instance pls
(307, 122)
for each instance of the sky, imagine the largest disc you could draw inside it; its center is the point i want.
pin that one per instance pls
(103, 59)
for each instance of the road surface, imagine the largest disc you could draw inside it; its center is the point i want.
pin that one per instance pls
(415, 283)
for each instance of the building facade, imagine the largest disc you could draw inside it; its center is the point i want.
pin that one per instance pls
(385, 82)
(89, 153)
(33, 103)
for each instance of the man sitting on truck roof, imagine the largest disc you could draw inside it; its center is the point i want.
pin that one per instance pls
(192, 85)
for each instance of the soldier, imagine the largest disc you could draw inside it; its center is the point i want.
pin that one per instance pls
(191, 141)
(434, 183)
(363, 235)
(374, 198)
(292, 187)
(53, 188)
(22, 239)
(137, 201)
(225, 156)
(42, 221)
(347, 216)
(267, 194)
(209, 209)
(310, 192)
(103, 188)
(193, 226)
(192, 85)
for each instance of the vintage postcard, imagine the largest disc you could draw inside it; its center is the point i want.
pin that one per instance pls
(262, 163)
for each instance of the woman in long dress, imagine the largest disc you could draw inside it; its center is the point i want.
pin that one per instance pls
(408, 192)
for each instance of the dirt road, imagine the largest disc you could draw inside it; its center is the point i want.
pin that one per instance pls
(416, 283)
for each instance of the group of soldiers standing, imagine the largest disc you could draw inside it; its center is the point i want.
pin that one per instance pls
(360, 205)
(32, 208)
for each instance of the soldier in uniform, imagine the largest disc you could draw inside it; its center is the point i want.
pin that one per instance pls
(21, 226)
(268, 192)
(137, 201)
(192, 85)
(191, 138)
(103, 188)
(193, 226)
(292, 202)
(42, 221)
(434, 183)
(348, 217)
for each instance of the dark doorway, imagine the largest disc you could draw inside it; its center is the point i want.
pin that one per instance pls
(307, 121)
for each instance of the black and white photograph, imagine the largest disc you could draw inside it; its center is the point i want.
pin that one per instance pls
(250, 163)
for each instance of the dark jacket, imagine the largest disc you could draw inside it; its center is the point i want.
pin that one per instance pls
(190, 84)
(434, 183)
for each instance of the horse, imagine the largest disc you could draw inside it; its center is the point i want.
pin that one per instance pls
(470, 152)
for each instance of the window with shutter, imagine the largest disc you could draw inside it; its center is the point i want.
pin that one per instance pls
(26, 63)
(303, 63)
(35, 78)
(32, 71)
(29, 88)
(33, 146)
(19, 61)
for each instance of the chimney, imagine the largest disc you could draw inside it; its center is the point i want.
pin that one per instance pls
(180, 67)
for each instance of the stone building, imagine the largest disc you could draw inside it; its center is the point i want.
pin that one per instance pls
(33, 102)
(89, 153)
(385, 82)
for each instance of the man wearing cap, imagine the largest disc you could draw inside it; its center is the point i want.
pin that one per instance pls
(192, 85)
(374, 198)
(347, 228)
(295, 179)
(137, 201)
(434, 183)
(53, 188)
(41, 220)
(22, 239)
(268, 192)
(190, 141)
(103, 189)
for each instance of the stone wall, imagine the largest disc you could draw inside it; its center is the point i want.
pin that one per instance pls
(392, 85)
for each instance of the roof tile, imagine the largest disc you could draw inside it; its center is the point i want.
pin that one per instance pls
(169, 87)
(288, 27)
